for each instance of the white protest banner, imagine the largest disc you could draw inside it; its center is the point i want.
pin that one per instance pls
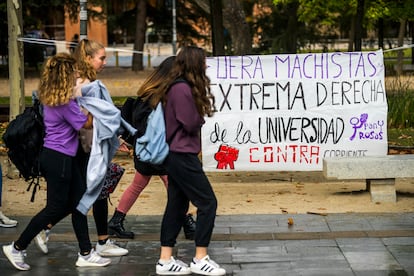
(288, 112)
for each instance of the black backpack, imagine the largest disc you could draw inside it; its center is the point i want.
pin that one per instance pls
(135, 111)
(24, 141)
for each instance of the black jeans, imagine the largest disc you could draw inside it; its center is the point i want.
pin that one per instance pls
(100, 207)
(65, 187)
(187, 182)
(100, 215)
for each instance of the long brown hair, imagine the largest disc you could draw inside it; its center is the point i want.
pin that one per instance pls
(190, 64)
(86, 48)
(150, 89)
(57, 80)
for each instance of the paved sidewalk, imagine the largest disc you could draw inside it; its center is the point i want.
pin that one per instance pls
(335, 244)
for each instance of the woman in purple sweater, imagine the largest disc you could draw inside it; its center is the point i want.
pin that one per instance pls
(63, 118)
(186, 103)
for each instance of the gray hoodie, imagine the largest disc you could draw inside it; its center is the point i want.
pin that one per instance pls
(106, 122)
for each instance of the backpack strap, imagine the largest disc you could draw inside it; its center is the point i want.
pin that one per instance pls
(36, 182)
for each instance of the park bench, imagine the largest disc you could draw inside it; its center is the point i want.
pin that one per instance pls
(379, 172)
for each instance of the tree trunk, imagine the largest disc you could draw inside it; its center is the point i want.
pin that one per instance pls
(234, 20)
(412, 41)
(400, 53)
(16, 58)
(141, 16)
(351, 35)
(292, 27)
(217, 27)
(381, 33)
(358, 25)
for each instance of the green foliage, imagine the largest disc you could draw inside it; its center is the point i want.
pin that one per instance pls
(403, 137)
(400, 95)
(401, 109)
(400, 9)
(377, 9)
(331, 19)
(325, 12)
(328, 10)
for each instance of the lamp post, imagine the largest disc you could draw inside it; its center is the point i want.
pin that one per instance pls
(83, 17)
(174, 28)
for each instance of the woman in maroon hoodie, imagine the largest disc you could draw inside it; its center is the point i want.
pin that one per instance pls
(185, 104)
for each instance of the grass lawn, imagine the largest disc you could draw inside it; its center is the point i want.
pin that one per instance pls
(401, 137)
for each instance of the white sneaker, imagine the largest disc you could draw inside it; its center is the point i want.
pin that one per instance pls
(16, 257)
(93, 259)
(110, 249)
(206, 266)
(173, 267)
(7, 222)
(41, 240)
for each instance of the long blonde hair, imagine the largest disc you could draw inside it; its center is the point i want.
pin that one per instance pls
(86, 48)
(57, 80)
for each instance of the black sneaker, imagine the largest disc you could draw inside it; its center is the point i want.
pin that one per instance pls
(189, 227)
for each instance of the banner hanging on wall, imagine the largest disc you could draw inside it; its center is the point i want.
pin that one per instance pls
(288, 112)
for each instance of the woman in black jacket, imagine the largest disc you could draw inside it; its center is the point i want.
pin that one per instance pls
(138, 111)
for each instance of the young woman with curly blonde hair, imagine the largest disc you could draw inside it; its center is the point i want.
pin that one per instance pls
(90, 59)
(63, 118)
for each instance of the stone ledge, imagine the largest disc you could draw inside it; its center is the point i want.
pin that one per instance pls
(369, 167)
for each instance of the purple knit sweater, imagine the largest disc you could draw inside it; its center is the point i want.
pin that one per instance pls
(182, 120)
